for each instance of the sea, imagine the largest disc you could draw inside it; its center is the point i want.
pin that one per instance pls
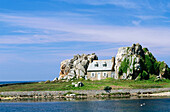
(129, 105)
(118, 105)
(15, 82)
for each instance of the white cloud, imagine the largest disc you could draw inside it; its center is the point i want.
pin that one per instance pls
(121, 3)
(65, 31)
(137, 23)
(21, 31)
(147, 17)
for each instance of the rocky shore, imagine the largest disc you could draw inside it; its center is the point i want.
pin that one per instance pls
(85, 94)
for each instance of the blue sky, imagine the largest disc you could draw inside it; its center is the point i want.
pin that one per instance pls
(36, 35)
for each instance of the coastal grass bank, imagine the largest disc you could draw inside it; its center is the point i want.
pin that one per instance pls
(88, 85)
(65, 89)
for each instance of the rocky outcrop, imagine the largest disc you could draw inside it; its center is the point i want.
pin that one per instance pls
(76, 67)
(132, 62)
(137, 63)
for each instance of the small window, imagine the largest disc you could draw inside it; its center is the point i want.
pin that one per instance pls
(92, 74)
(96, 64)
(104, 64)
(112, 75)
(104, 74)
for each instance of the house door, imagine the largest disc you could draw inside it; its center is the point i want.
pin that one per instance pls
(99, 76)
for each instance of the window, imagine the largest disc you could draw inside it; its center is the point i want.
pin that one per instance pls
(112, 75)
(96, 64)
(93, 74)
(104, 74)
(104, 64)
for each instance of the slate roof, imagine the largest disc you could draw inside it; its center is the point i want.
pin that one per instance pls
(100, 66)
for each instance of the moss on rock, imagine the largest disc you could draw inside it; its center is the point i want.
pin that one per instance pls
(139, 63)
(124, 66)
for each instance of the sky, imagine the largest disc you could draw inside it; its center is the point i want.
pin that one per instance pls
(36, 35)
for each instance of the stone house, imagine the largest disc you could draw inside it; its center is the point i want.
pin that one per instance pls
(101, 69)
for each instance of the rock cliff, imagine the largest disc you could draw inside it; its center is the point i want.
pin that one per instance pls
(76, 67)
(134, 63)
(138, 63)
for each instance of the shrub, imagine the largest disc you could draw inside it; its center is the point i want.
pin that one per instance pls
(139, 77)
(108, 89)
(145, 75)
(103, 94)
(152, 77)
(88, 80)
(68, 93)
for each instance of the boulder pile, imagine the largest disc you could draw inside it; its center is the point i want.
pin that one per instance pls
(76, 67)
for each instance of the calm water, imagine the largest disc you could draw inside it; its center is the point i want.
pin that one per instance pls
(151, 105)
(13, 82)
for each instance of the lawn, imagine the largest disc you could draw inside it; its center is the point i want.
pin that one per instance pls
(88, 85)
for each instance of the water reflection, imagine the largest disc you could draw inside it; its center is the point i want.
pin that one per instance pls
(151, 105)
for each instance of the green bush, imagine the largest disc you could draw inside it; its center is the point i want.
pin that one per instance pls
(152, 77)
(139, 77)
(145, 75)
(107, 88)
(68, 93)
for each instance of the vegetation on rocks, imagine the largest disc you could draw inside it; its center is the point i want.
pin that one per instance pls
(138, 63)
(124, 66)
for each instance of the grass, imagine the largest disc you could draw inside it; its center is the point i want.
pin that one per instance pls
(88, 85)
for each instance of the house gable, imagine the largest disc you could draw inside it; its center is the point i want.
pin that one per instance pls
(101, 65)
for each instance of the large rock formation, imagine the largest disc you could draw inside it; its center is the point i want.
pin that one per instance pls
(131, 63)
(76, 67)
(137, 63)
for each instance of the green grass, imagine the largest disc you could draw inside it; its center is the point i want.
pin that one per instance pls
(88, 85)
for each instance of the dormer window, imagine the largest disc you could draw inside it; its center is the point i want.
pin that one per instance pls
(96, 64)
(104, 64)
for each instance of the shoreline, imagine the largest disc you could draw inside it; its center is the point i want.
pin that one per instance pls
(28, 100)
(85, 94)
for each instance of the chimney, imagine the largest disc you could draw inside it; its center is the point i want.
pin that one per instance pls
(113, 59)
